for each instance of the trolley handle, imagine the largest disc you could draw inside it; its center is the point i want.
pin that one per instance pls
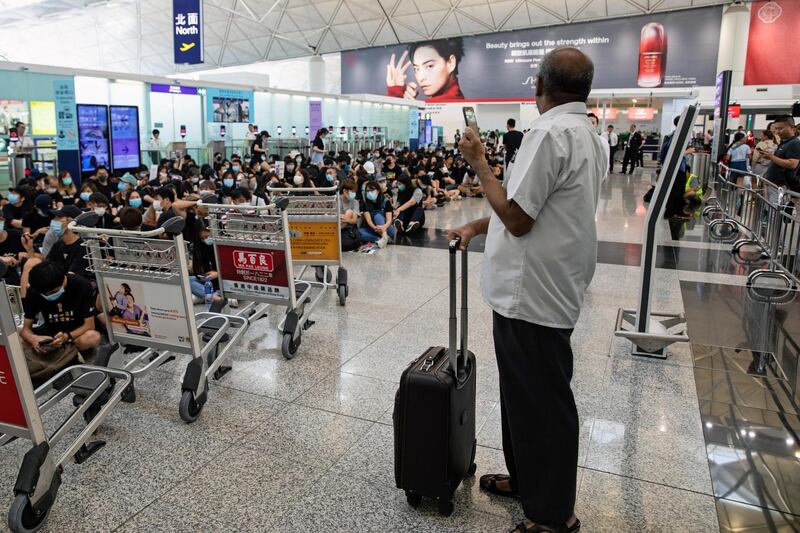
(289, 191)
(234, 207)
(77, 228)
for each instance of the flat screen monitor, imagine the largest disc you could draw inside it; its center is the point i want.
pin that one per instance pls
(124, 137)
(93, 137)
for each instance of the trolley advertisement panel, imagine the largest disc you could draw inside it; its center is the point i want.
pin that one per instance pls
(253, 273)
(141, 309)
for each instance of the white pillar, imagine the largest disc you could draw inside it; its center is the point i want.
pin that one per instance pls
(733, 44)
(316, 74)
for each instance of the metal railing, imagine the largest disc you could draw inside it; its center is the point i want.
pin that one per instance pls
(760, 220)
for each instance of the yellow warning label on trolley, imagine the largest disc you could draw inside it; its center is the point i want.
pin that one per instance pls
(314, 241)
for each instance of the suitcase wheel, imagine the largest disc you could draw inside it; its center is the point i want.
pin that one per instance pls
(446, 507)
(413, 499)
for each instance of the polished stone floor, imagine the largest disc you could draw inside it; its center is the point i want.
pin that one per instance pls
(306, 444)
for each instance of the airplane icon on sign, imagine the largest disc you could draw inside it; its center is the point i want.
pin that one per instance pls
(185, 47)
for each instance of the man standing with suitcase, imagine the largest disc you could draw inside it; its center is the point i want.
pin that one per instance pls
(541, 250)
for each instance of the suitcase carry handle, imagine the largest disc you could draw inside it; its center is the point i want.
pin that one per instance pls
(458, 370)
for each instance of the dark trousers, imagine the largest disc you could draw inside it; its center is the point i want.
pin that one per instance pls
(414, 214)
(612, 151)
(631, 156)
(540, 420)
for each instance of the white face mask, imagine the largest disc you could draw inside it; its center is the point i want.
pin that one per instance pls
(100, 211)
(157, 205)
(298, 180)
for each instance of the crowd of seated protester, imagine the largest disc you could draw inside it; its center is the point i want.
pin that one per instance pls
(384, 194)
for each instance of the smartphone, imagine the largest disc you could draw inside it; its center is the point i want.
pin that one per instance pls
(471, 119)
(46, 342)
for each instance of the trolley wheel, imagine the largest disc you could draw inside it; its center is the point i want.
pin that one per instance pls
(288, 346)
(472, 469)
(342, 292)
(318, 273)
(23, 518)
(446, 507)
(189, 409)
(413, 499)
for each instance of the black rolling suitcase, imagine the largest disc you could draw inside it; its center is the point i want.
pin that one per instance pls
(434, 413)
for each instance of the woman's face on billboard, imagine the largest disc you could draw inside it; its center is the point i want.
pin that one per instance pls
(432, 70)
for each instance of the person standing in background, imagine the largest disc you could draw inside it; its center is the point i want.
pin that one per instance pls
(511, 141)
(25, 143)
(456, 138)
(249, 137)
(612, 140)
(155, 146)
(760, 163)
(541, 251)
(632, 150)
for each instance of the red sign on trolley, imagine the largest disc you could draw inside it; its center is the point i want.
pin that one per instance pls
(11, 411)
(253, 272)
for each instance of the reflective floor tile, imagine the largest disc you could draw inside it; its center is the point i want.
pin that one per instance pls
(644, 453)
(306, 435)
(758, 478)
(280, 378)
(745, 390)
(745, 427)
(735, 517)
(608, 502)
(351, 395)
(739, 360)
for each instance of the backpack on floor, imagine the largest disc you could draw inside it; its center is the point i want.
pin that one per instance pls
(351, 238)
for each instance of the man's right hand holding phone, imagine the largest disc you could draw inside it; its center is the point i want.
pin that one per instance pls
(42, 344)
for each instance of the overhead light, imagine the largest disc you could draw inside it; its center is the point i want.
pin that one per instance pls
(634, 100)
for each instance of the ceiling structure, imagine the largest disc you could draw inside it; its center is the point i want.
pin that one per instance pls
(135, 36)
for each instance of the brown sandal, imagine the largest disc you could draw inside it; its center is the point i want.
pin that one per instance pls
(489, 482)
(529, 527)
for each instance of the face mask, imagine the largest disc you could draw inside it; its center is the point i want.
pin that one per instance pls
(102, 177)
(142, 175)
(401, 187)
(351, 195)
(55, 296)
(157, 205)
(51, 190)
(121, 186)
(298, 180)
(195, 180)
(135, 202)
(228, 182)
(67, 180)
(330, 177)
(85, 196)
(235, 168)
(208, 241)
(56, 228)
(101, 211)
(13, 197)
(372, 196)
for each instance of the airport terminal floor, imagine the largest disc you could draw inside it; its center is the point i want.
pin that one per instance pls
(697, 442)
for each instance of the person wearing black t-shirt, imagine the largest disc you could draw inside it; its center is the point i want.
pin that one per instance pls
(37, 222)
(100, 181)
(10, 250)
(16, 208)
(166, 206)
(67, 304)
(512, 139)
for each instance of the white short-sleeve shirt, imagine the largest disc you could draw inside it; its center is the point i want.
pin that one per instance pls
(555, 178)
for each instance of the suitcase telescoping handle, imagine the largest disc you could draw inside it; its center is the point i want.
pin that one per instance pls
(454, 352)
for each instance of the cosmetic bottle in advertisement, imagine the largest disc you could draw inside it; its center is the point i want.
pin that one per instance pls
(652, 55)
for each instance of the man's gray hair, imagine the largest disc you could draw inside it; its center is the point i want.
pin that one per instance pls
(569, 81)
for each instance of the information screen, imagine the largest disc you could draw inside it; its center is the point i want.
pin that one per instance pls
(93, 136)
(125, 137)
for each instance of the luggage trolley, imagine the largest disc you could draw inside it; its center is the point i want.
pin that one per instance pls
(254, 263)
(144, 285)
(316, 233)
(23, 409)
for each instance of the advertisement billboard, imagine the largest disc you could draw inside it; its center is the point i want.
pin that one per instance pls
(124, 137)
(676, 49)
(43, 118)
(140, 309)
(772, 40)
(93, 136)
(11, 112)
(229, 105)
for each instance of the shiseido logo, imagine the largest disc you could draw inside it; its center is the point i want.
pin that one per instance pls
(770, 12)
